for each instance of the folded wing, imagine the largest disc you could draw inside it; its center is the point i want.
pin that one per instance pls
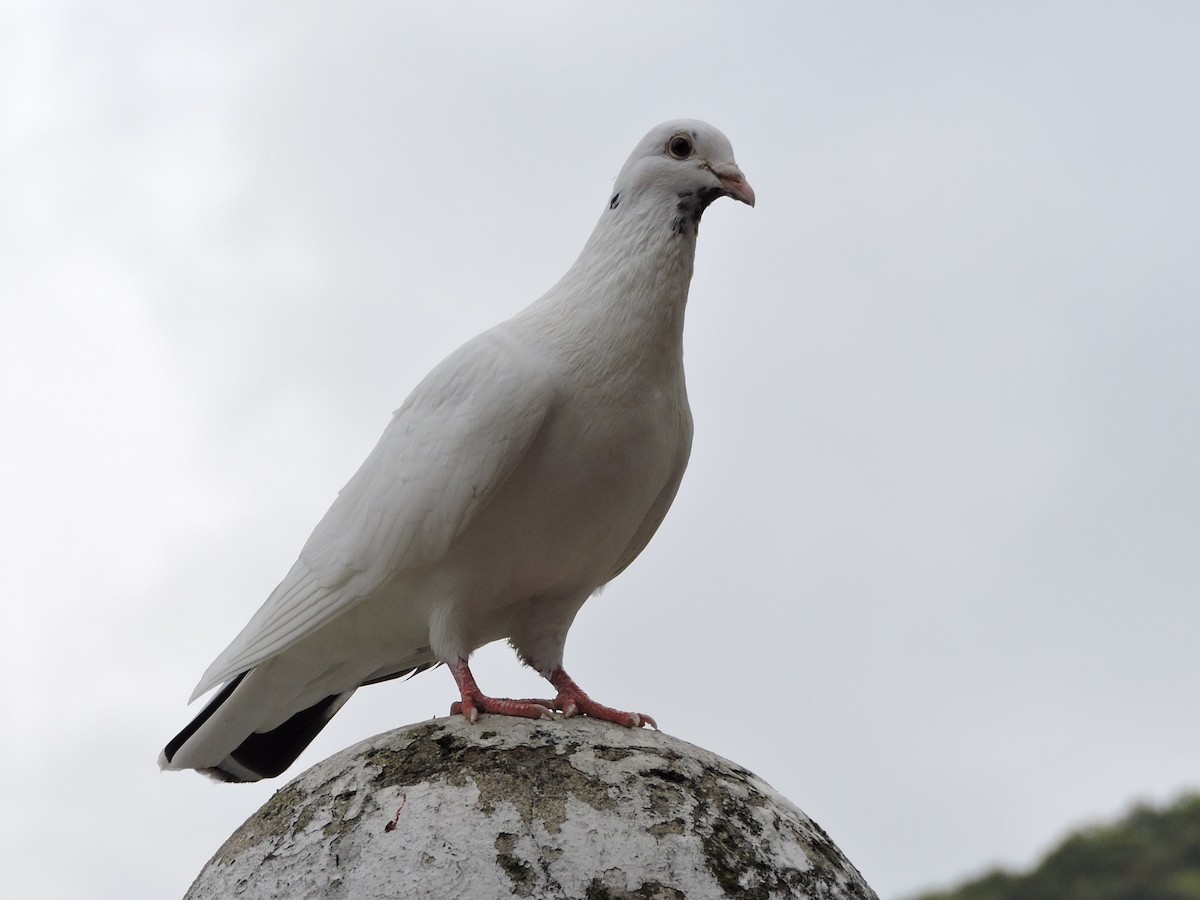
(441, 459)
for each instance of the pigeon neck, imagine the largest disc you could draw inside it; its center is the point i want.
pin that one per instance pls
(628, 289)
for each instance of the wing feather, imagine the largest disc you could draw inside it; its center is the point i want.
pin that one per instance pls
(440, 460)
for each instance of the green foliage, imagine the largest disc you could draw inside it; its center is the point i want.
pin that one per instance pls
(1151, 854)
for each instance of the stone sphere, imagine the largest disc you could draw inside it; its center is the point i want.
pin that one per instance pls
(570, 808)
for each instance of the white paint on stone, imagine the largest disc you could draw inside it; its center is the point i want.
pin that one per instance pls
(571, 808)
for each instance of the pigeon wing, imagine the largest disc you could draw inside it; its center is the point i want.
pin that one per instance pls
(441, 459)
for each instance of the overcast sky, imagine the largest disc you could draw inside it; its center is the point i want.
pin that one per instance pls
(933, 571)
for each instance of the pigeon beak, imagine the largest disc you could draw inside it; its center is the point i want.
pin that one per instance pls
(734, 182)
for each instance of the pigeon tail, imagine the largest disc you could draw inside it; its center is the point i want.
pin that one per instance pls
(259, 755)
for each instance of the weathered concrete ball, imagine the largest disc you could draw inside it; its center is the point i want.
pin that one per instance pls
(572, 808)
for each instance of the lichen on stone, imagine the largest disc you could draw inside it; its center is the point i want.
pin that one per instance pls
(569, 808)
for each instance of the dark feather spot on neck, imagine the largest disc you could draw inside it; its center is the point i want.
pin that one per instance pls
(616, 199)
(707, 196)
(691, 207)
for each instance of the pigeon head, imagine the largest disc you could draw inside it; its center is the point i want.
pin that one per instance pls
(682, 166)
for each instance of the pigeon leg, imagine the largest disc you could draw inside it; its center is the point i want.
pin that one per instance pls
(474, 701)
(573, 701)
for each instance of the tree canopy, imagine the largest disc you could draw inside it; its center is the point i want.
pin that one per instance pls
(1150, 854)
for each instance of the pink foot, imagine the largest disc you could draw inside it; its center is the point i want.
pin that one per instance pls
(573, 701)
(474, 701)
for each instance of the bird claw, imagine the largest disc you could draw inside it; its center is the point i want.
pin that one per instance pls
(470, 708)
(620, 717)
(574, 702)
(474, 701)
(469, 712)
(571, 701)
(569, 707)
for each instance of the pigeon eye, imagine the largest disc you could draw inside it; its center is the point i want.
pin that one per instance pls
(680, 146)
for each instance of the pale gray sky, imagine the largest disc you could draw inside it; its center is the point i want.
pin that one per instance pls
(933, 572)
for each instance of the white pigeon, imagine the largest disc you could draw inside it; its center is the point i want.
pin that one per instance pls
(524, 472)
